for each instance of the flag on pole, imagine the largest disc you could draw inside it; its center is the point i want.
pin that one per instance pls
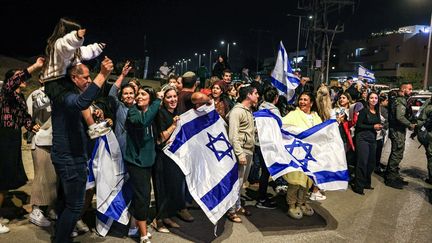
(366, 74)
(282, 76)
(201, 149)
(107, 173)
(318, 151)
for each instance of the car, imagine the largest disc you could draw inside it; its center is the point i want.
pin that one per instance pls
(417, 100)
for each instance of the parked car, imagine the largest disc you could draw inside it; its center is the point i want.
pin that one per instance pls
(417, 100)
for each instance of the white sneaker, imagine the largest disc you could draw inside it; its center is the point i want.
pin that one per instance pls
(317, 196)
(4, 221)
(145, 239)
(3, 229)
(37, 218)
(81, 227)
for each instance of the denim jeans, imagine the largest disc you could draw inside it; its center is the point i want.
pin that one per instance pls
(72, 176)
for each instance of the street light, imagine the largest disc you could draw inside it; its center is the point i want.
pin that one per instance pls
(228, 46)
(199, 58)
(310, 17)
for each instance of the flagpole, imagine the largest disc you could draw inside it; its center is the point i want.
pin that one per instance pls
(425, 81)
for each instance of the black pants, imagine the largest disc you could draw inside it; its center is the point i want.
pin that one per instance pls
(263, 182)
(379, 149)
(366, 155)
(141, 188)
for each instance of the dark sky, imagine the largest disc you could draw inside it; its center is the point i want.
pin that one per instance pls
(178, 28)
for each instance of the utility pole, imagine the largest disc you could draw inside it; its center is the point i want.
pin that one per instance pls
(425, 82)
(319, 44)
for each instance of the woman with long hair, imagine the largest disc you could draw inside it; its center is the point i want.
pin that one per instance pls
(65, 48)
(297, 121)
(140, 154)
(368, 123)
(222, 104)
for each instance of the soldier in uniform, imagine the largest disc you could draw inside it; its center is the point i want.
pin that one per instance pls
(425, 122)
(399, 121)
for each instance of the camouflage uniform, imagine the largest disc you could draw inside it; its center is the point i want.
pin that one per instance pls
(398, 123)
(425, 114)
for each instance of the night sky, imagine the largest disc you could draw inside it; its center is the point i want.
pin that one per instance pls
(177, 29)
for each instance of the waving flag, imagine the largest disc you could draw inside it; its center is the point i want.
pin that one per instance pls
(366, 74)
(107, 173)
(283, 77)
(318, 151)
(200, 147)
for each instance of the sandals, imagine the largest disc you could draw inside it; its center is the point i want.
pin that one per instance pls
(234, 218)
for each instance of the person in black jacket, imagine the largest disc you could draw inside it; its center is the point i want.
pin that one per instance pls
(368, 123)
(221, 65)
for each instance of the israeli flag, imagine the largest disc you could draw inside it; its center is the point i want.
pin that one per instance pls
(366, 74)
(107, 173)
(318, 151)
(282, 76)
(200, 147)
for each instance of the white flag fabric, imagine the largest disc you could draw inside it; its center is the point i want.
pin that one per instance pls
(201, 149)
(318, 151)
(282, 76)
(366, 74)
(107, 173)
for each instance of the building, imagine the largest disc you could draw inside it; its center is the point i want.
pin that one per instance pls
(393, 56)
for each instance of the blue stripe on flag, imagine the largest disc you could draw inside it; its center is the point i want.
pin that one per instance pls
(91, 177)
(192, 128)
(104, 137)
(330, 176)
(279, 85)
(119, 203)
(310, 131)
(217, 194)
(278, 167)
(102, 217)
(267, 113)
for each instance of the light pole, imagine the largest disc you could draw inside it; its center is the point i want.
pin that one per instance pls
(425, 82)
(298, 34)
(228, 46)
(210, 59)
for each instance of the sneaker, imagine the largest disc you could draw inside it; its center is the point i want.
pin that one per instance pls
(266, 204)
(402, 181)
(317, 196)
(394, 183)
(3, 229)
(281, 189)
(145, 239)
(4, 220)
(81, 227)
(36, 217)
(98, 129)
(185, 215)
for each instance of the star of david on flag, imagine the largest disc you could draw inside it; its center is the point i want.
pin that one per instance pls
(300, 151)
(213, 146)
(201, 149)
(285, 152)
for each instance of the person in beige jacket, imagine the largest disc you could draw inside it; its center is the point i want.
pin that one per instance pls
(242, 138)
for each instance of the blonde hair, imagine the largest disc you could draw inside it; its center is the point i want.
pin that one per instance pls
(323, 103)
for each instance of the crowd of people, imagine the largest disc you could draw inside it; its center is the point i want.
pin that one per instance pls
(69, 112)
